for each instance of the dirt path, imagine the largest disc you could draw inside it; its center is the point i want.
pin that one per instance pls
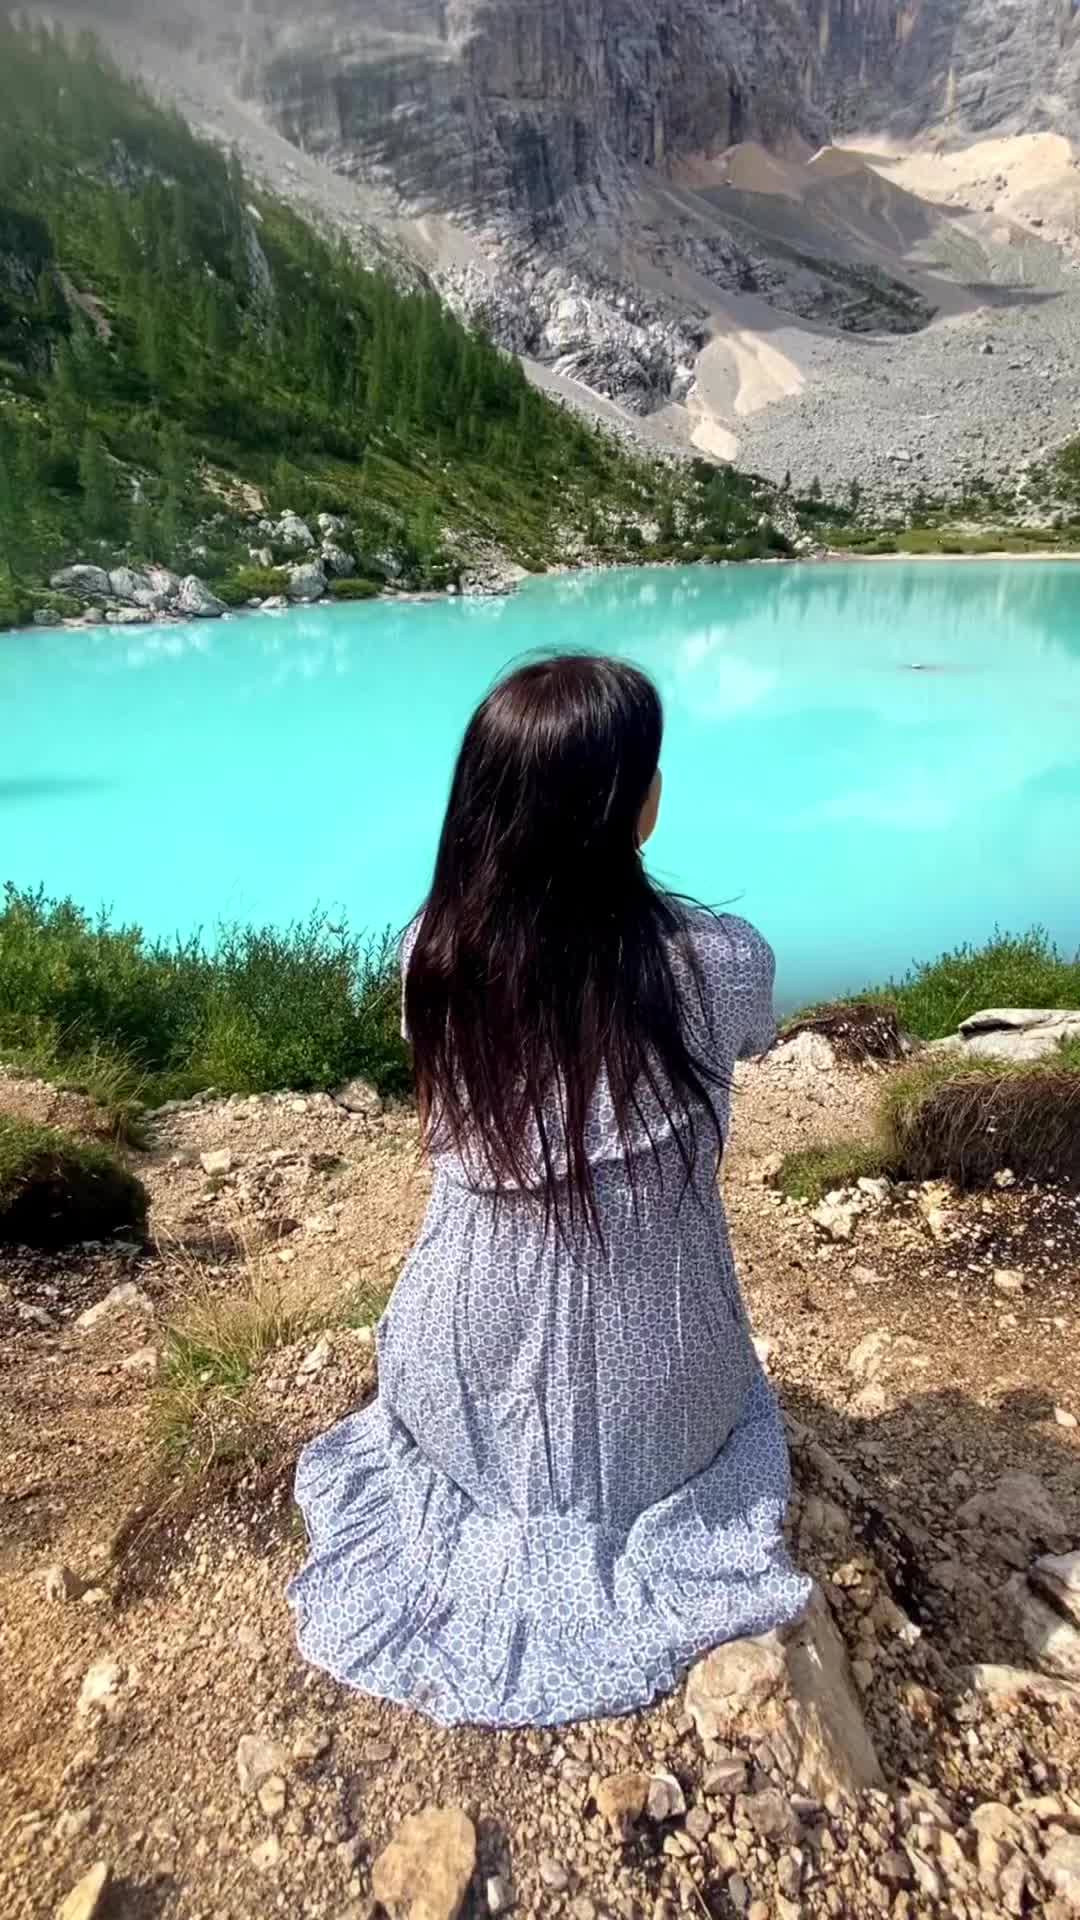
(924, 1377)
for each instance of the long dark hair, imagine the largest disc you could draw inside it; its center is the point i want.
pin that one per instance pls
(544, 954)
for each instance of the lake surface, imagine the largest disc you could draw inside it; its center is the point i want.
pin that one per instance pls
(864, 814)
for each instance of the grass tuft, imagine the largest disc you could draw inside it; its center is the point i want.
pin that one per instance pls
(812, 1172)
(202, 1423)
(55, 1190)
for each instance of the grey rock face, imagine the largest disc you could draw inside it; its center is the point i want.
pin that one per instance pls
(307, 582)
(81, 579)
(196, 599)
(966, 65)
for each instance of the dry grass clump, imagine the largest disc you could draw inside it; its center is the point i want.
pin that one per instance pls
(204, 1422)
(971, 1119)
(948, 1117)
(56, 1190)
(859, 1031)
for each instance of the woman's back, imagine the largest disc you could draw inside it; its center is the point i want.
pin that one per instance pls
(573, 1480)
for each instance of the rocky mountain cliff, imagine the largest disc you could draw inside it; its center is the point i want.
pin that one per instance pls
(958, 66)
(562, 169)
(532, 108)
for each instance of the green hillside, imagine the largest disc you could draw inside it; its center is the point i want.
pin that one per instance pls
(168, 333)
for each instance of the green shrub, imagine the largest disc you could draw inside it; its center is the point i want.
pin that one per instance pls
(813, 1172)
(353, 590)
(1025, 970)
(55, 1190)
(307, 1006)
(257, 583)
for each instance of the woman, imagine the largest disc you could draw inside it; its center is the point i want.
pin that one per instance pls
(573, 1480)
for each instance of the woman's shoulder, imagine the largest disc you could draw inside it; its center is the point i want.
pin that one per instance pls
(722, 941)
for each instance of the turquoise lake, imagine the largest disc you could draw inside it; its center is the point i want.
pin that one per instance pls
(864, 814)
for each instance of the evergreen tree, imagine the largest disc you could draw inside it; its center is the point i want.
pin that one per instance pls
(100, 505)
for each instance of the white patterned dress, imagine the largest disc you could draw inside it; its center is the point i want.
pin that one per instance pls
(573, 1480)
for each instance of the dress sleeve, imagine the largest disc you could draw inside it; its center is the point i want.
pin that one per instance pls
(740, 971)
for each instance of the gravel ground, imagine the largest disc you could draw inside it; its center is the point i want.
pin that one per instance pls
(913, 1383)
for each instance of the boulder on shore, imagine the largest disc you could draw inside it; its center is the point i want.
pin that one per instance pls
(307, 582)
(196, 599)
(126, 584)
(81, 578)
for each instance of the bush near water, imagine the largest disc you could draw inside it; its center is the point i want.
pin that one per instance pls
(134, 1021)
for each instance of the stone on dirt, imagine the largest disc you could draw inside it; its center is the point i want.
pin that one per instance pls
(100, 1686)
(1057, 1578)
(84, 1901)
(257, 1759)
(1061, 1870)
(359, 1096)
(126, 1297)
(217, 1161)
(425, 1871)
(61, 1583)
(799, 1685)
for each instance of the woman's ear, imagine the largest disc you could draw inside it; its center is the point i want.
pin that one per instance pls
(648, 815)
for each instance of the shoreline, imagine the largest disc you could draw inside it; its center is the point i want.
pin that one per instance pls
(825, 556)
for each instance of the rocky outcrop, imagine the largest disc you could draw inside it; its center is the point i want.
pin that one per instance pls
(1015, 1034)
(967, 66)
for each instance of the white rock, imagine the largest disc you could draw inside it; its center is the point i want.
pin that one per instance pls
(127, 1297)
(499, 1894)
(336, 561)
(217, 1161)
(1052, 1640)
(425, 1871)
(145, 1360)
(84, 1900)
(100, 1687)
(867, 1359)
(125, 583)
(1057, 1578)
(80, 579)
(61, 1583)
(1008, 1281)
(317, 1360)
(359, 1096)
(34, 1316)
(272, 1796)
(267, 1854)
(836, 1216)
(666, 1800)
(1004, 1684)
(1061, 1870)
(1065, 1419)
(294, 532)
(798, 1686)
(330, 524)
(1017, 1502)
(805, 1050)
(256, 1759)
